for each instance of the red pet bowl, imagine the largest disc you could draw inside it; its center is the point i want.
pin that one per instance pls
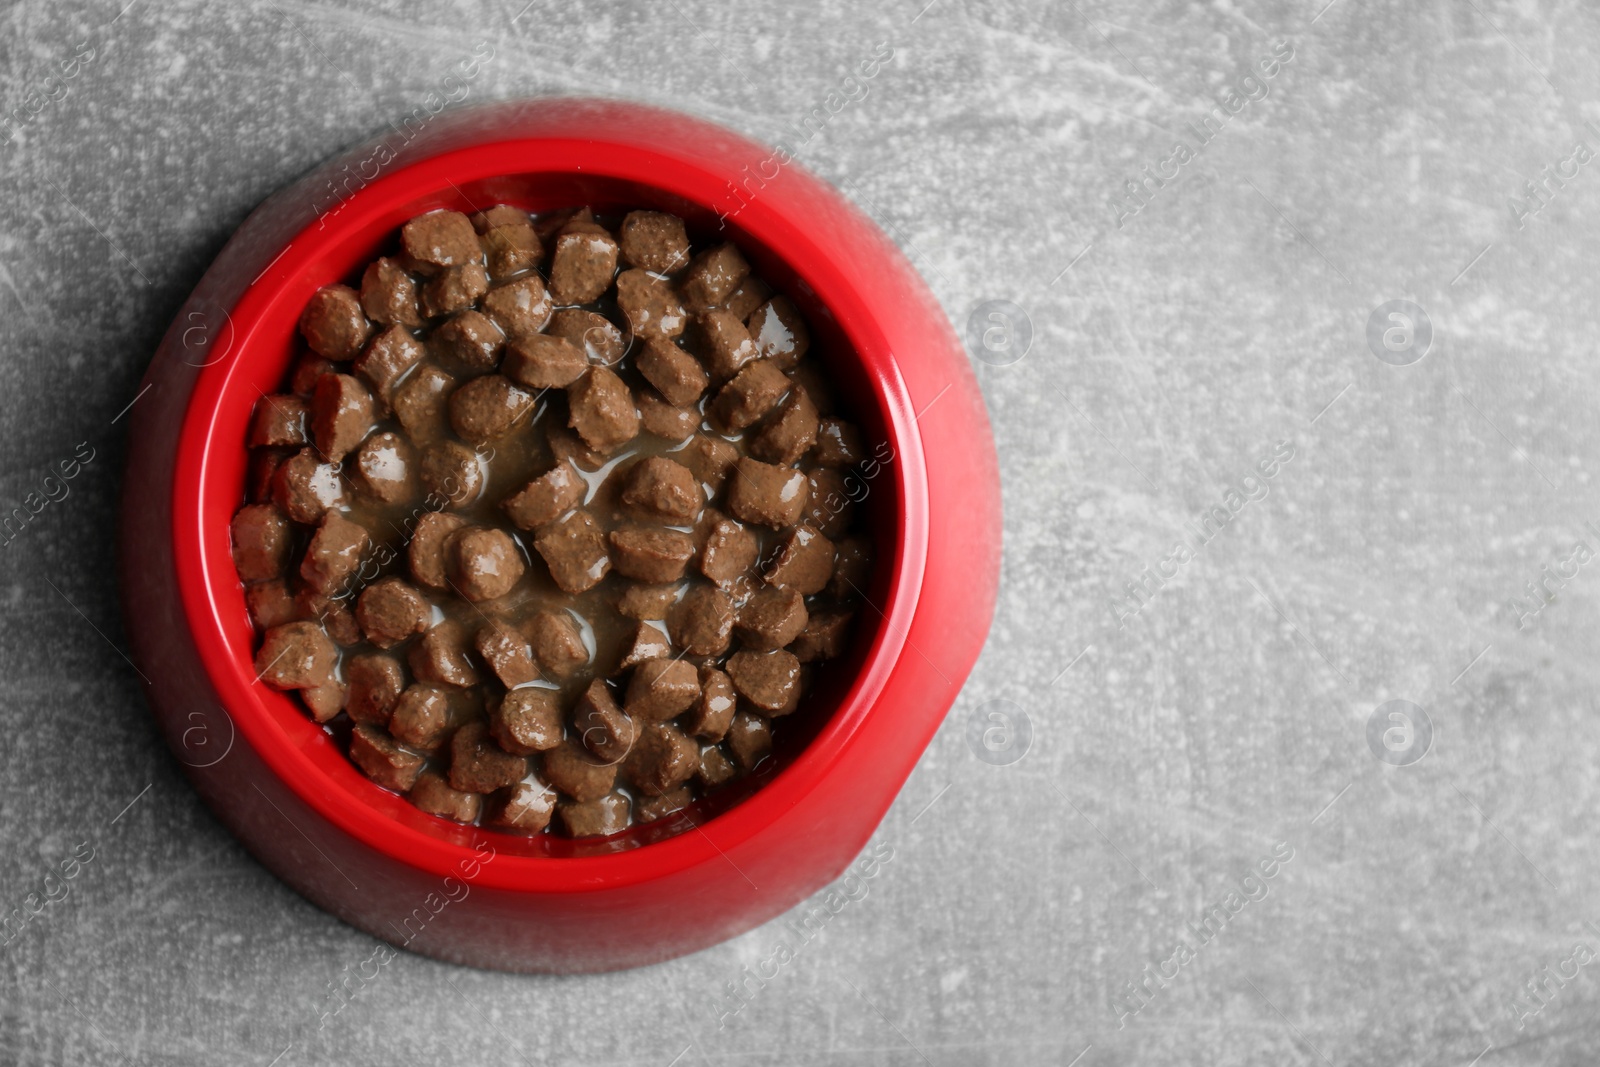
(475, 896)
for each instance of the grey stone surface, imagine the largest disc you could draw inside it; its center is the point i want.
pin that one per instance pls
(1173, 347)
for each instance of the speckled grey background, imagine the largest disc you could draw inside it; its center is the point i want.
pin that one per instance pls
(1440, 912)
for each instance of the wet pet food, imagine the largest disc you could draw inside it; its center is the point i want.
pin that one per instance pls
(546, 524)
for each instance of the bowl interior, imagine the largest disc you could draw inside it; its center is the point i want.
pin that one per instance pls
(267, 344)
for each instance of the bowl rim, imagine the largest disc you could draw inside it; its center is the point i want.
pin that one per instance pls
(205, 568)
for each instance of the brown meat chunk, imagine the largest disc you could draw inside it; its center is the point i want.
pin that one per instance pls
(710, 715)
(376, 681)
(382, 759)
(454, 289)
(727, 344)
(658, 488)
(715, 767)
(525, 808)
(450, 471)
(661, 688)
(325, 701)
(649, 553)
(582, 267)
(507, 653)
(770, 619)
(852, 569)
(470, 342)
(824, 637)
(557, 643)
(769, 680)
(427, 550)
(487, 408)
(710, 458)
(662, 419)
(442, 239)
(333, 323)
(483, 563)
(432, 794)
(511, 248)
(746, 399)
(308, 367)
(260, 542)
(389, 611)
(600, 817)
(389, 294)
(829, 507)
(271, 604)
(542, 361)
(645, 644)
(279, 421)
(440, 657)
(478, 765)
(702, 622)
(264, 464)
(662, 759)
(649, 304)
(602, 411)
(729, 554)
(569, 447)
(341, 414)
(527, 720)
(602, 726)
(567, 220)
(520, 308)
(575, 551)
(388, 359)
(654, 809)
(714, 274)
(573, 770)
(654, 241)
(810, 376)
(499, 215)
(304, 487)
(790, 433)
(592, 333)
(766, 495)
(422, 717)
(838, 443)
(747, 296)
(639, 600)
(334, 555)
(779, 332)
(674, 372)
(546, 498)
(334, 616)
(296, 655)
(804, 562)
(384, 468)
(421, 403)
(749, 740)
